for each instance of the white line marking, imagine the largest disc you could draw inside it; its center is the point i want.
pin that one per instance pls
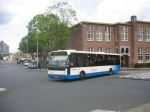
(98, 110)
(3, 89)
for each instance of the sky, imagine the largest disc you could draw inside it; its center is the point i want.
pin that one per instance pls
(16, 14)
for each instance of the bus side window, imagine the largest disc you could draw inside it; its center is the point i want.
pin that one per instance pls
(73, 61)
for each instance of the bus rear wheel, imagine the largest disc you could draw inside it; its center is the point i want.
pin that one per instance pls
(82, 75)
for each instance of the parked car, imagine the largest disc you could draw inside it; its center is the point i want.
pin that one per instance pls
(32, 65)
(26, 62)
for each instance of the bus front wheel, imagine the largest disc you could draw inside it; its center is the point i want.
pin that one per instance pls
(110, 71)
(82, 75)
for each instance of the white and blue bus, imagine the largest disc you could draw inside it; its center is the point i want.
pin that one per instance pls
(72, 64)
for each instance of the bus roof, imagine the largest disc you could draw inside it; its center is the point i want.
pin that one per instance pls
(84, 52)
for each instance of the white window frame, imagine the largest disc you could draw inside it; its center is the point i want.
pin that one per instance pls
(108, 50)
(147, 35)
(99, 49)
(140, 55)
(99, 35)
(108, 34)
(91, 49)
(147, 56)
(90, 33)
(124, 33)
(90, 36)
(140, 34)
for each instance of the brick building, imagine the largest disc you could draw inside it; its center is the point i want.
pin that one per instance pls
(130, 39)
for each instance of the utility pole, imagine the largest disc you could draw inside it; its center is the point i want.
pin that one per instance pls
(27, 48)
(37, 50)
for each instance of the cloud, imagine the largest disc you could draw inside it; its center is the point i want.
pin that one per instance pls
(5, 17)
(15, 17)
(121, 10)
(85, 9)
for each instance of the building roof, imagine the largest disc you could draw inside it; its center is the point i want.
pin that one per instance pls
(111, 24)
(140, 21)
(101, 23)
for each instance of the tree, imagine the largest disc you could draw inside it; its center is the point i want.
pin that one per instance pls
(23, 44)
(64, 12)
(67, 16)
(51, 30)
(42, 29)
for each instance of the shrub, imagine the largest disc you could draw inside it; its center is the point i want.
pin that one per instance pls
(139, 65)
(147, 64)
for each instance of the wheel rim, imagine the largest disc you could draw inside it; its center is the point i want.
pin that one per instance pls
(82, 76)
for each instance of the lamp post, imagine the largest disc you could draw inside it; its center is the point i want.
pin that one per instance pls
(27, 48)
(37, 49)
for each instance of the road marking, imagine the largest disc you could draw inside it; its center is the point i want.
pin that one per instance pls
(98, 110)
(3, 89)
(145, 76)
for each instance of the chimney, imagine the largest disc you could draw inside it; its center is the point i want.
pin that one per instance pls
(133, 18)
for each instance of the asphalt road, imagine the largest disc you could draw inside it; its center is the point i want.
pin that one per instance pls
(31, 91)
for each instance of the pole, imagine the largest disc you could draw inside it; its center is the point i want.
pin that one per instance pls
(27, 49)
(37, 52)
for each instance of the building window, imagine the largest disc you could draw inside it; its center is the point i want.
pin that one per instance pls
(117, 33)
(90, 33)
(107, 34)
(140, 34)
(140, 55)
(124, 33)
(147, 35)
(122, 50)
(108, 50)
(90, 28)
(116, 50)
(99, 49)
(91, 49)
(99, 28)
(148, 55)
(127, 50)
(90, 36)
(99, 36)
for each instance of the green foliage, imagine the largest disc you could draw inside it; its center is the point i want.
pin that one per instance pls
(50, 30)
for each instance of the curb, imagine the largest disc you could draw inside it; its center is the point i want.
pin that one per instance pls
(37, 70)
(124, 69)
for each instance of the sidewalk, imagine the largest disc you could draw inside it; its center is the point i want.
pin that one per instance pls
(142, 108)
(126, 68)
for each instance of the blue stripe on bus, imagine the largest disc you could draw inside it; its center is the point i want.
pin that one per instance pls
(70, 77)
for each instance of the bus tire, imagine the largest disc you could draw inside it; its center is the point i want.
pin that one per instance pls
(110, 71)
(82, 75)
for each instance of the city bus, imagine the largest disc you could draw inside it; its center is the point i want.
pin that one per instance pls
(73, 64)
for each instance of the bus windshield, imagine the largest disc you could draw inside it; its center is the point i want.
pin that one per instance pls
(58, 61)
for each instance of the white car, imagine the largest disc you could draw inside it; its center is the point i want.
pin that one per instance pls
(26, 62)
